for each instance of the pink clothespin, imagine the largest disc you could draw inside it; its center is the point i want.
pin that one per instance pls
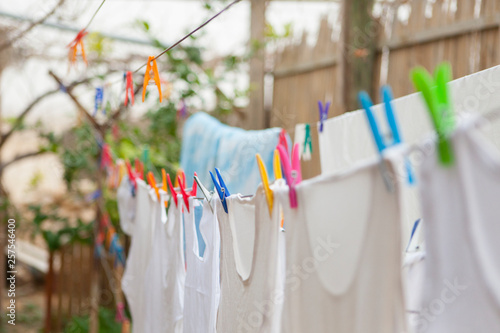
(106, 159)
(292, 170)
(283, 141)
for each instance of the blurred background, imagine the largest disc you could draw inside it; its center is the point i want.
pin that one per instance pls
(260, 64)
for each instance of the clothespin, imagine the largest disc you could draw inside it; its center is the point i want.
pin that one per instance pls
(98, 99)
(131, 176)
(164, 184)
(182, 111)
(120, 312)
(93, 196)
(152, 183)
(323, 113)
(265, 183)
(105, 156)
(151, 73)
(436, 96)
(73, 47)
(185, 196)
(129, 88)
(283, 141)
(306, 154)
(293, 174)
(180, 176)
(172, 190)
(206, 193)
(139, 169)
(277, 165)
(221, 188)
(393, 125)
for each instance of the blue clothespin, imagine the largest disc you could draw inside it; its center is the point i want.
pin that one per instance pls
(323, 114)
(367, 104)
(99, 93)
(116, 249)
(391, 120)
(221, 188)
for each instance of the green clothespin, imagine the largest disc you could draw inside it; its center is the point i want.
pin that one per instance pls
(308, 140)
(436, 96)
(145, 159)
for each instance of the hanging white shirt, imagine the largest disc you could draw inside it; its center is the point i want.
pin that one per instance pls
(134, 277)
(126, 205)
(461, 293)
(251, 292)
(202, 290)
(343, 255)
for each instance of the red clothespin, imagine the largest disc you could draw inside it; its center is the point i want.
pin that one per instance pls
(73, 47)
(151, 73)
(129, 88)
(293, 173)
(106, 159)
(186, 195)
(195, 187)
(172, 190)
(131, 175)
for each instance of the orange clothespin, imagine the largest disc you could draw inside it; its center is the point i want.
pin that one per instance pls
(129, 88)
(139, 169)
(73, 47)
(151, 69)
(265, 183)
(180, 176)
(164, 184)
(152, 183)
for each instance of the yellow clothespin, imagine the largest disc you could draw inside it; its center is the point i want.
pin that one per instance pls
(277, 165)
(147, 77)
(265, 183)
(278, 175)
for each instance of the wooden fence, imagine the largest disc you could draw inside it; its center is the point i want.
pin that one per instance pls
(71, 285)
(419, 32)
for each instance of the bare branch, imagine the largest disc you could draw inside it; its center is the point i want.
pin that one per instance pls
(20, 157)
(23, 114)
(78, 104)
(31, 26)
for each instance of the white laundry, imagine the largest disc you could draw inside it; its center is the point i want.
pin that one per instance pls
(126, 205)
(343, 254)
(251, 290)
(461, 293)
(134, 277)
(202, 290)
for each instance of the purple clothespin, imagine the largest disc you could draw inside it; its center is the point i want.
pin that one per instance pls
(323, 113)
(182, 111)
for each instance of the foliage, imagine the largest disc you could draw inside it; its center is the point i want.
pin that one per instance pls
(58, 232)
(107, 323)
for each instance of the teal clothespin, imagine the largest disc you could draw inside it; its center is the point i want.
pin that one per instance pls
(436, 96)
(308, 140)
(145, 159)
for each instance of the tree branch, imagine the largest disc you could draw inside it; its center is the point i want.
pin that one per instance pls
(30, 27)
(79, 106)
(20, 157)
(23, 114)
